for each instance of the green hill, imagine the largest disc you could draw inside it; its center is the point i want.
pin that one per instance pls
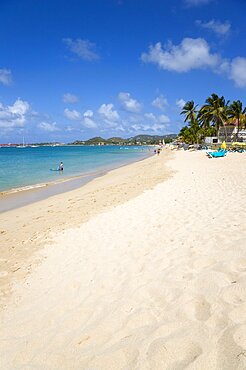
(135, 140)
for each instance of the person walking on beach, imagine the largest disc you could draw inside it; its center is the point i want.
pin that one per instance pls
(61, 166)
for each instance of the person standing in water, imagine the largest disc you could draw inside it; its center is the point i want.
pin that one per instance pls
(61, 166)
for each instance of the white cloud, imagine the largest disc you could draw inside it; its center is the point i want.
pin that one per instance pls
(129, 104)
(46, 126)
(197, 2)
(15, 115)
(88, 120)
(150, 116)
(238, 71)
(224, 67)
(138, 127)
(89, 123)
(180, 103)
(84, 49)
(162, 118)
(120, 128)
(133, 119)
(150, 122)
(20, 107)
(160, 102)
(69, 128)
(5, 76)
(73, 115)
(234, 69)
(218, 27)
(190, 54)
(70, 98)
(108, 113)
(155, 128)
(195, 54)
(88, 113)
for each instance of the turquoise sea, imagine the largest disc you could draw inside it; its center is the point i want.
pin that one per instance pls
(31, 165)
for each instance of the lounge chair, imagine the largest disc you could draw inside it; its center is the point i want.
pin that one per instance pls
(217, 154)
(208, 152)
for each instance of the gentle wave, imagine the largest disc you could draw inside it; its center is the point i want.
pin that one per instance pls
(28, 169)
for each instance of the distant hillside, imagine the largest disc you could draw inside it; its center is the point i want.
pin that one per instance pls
(95, 140)
(136, 140)
(152, 139)
(116, 140)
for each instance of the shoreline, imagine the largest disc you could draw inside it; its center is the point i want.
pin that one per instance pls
(36, 221)
(18, 197)
(101, 168)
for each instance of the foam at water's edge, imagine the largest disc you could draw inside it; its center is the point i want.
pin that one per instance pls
(23, 188)
(27, 170)
(19, 197)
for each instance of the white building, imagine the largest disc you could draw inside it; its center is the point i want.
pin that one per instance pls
(211, 140)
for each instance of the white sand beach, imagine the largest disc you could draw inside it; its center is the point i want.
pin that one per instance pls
(143, 268)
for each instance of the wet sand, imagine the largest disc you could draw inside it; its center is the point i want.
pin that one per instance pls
(19, 197)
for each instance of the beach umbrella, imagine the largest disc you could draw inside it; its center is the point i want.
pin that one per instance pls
(223, 145)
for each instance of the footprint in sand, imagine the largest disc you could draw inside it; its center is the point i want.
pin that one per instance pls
(175, 353)
(115, 359)
(238, 314)
(240, 265)
(235, 293)
(139, 319)
(240, 337)
(3, 273)
(197, 308)
(231, 349)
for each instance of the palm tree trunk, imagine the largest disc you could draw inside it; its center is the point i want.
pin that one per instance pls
(224, 130)
(238, 127)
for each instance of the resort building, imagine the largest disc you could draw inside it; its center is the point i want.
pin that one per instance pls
(232, 133)
(211, 140)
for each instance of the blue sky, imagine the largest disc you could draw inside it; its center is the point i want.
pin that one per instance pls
(82, 68)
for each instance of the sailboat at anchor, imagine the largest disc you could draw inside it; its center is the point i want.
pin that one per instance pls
(23, 144)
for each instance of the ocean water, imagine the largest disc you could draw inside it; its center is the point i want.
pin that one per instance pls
(31, 166)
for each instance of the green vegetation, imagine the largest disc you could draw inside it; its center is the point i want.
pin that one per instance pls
(136, 140)
(215, 113)
(236, 112)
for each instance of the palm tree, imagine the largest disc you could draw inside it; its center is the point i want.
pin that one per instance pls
(215, 111)
(243, 119)
(190, 112)
(236, 113)
(187, 135)
(189, 109)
